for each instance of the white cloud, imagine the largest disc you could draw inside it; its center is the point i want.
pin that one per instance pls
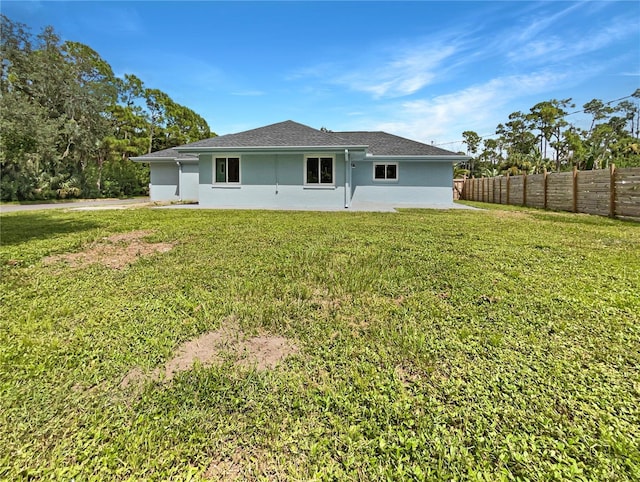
(618, 29)
(540, 21)
(537, 49)
(445, 117)
(403, 74)
(571, 43)
(388, 72)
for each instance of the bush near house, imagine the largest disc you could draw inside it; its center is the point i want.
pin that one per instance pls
(430, 345)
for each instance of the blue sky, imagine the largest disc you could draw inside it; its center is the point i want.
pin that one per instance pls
(423, 70)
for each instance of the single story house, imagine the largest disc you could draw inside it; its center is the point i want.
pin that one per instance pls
(290, 165)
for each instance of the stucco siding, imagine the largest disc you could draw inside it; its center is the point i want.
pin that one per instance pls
(257, 170)
(189, 183)
(266, 196)
(418, 183)
(399, 196)
(271, 181)
(164, 181)
(206, 168)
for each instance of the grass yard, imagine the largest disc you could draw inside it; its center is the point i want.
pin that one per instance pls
(425, 345)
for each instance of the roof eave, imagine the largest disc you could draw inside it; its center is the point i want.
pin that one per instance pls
(163, 159)
(423, 158)
(266, 148)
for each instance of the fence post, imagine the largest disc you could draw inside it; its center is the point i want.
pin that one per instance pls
(612, 190)
(575, 189)
(493, 190)
(524, 189)
(508, 182)
(544, 187)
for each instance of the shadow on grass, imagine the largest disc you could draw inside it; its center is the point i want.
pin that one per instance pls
(577, 218)
(25, 227)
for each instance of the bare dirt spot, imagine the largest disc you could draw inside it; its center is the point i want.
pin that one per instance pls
(229, 468)
(116, 251)
(243, 464)
(407, 374)
(263, 352)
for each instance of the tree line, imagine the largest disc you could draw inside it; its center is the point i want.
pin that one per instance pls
(544, 138)
(68, 125)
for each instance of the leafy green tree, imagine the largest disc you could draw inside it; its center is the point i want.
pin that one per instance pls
(574, 139)
(523, 142)
(548, 118)
(171, 124)
(598, 110)
(490, 155)
(69, 125)
(608, 139)
(472, 141)
(516, 135)
(29, 128)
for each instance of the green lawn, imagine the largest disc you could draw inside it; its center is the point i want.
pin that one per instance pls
(433, 345)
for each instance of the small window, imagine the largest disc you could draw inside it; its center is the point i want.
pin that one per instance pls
(228, 169)
(385, 172)
(318, 170)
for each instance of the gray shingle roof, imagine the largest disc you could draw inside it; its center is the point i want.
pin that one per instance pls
(168, 154)
(282, 134)
(293, 134)
(383, 144)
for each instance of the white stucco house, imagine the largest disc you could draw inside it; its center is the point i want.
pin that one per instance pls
(288, 164)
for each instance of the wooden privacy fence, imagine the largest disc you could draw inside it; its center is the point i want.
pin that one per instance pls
(458, 184)
(608, 192)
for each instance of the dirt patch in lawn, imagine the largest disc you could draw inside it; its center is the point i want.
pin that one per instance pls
(228, 343)
(243, 464)
(116, 251)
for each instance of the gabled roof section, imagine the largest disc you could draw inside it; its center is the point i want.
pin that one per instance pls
(282, 134)
(292, 135)
(384, 144)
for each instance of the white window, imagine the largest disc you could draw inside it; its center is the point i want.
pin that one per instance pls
(227, 170)
(385, 172)
(319, 170)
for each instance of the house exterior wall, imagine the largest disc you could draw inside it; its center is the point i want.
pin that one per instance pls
(164, 181)
(419, 183)
(271, 181)
(277, 181)
(190, 182)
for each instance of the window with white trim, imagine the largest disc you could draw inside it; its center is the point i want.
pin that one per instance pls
(385, 171)
(318, 170)
(227, 170)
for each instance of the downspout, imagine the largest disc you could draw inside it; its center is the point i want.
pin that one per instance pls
(277, 173)
(347, 179)
(179, 180)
